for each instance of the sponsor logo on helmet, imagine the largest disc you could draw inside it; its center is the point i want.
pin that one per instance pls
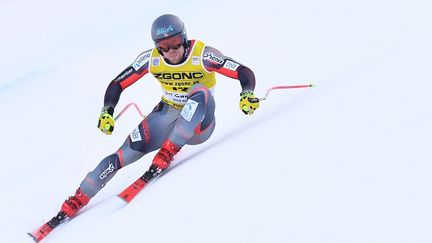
(164, 30)
(213, 58)
(179, 75)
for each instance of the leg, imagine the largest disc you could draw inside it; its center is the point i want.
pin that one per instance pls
(194, 125)
(147, 137)
(197, 121)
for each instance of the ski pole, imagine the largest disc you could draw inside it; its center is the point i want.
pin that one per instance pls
(127, 107)
(263, 98)
(286, 87)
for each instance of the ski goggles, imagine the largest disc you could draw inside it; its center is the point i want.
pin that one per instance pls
(173, 42)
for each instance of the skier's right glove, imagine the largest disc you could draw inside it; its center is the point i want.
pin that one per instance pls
(106, 120)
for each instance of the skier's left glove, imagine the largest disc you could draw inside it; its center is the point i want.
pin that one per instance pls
(106, 120)
(248, 102)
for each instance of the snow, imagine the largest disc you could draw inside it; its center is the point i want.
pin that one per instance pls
(346, 161)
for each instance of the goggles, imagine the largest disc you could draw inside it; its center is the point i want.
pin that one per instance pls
(173, 42)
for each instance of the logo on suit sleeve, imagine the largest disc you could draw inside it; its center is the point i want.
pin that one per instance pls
(213, 58)
(141, 60)
(231, 65)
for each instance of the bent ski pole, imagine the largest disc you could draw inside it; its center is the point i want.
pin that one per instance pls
(263, 98)
(127, 107)
(286, 87)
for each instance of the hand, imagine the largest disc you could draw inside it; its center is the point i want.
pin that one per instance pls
(248, 102)
(106, 120)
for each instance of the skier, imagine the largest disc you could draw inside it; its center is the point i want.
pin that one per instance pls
(185, 115)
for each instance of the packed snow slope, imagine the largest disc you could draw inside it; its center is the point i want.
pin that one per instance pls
(346, 161)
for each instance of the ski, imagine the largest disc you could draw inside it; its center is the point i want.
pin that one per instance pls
(133, 189)
(127, 195)
(45, 229)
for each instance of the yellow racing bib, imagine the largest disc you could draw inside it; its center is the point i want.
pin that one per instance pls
(176, 80)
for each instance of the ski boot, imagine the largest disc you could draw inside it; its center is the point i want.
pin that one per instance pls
(74, 203)
(165, 156)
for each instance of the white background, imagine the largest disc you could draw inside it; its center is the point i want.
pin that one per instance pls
(347, 161)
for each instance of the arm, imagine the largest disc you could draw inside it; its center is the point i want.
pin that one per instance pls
(130, 75)
(112, 94)
(215, 61)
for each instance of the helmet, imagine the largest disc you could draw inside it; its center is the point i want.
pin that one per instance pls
(168, 25)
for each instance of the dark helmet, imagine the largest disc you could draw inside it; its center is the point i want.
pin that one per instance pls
(168, 25)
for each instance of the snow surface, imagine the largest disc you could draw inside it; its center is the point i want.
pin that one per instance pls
(347, 161)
